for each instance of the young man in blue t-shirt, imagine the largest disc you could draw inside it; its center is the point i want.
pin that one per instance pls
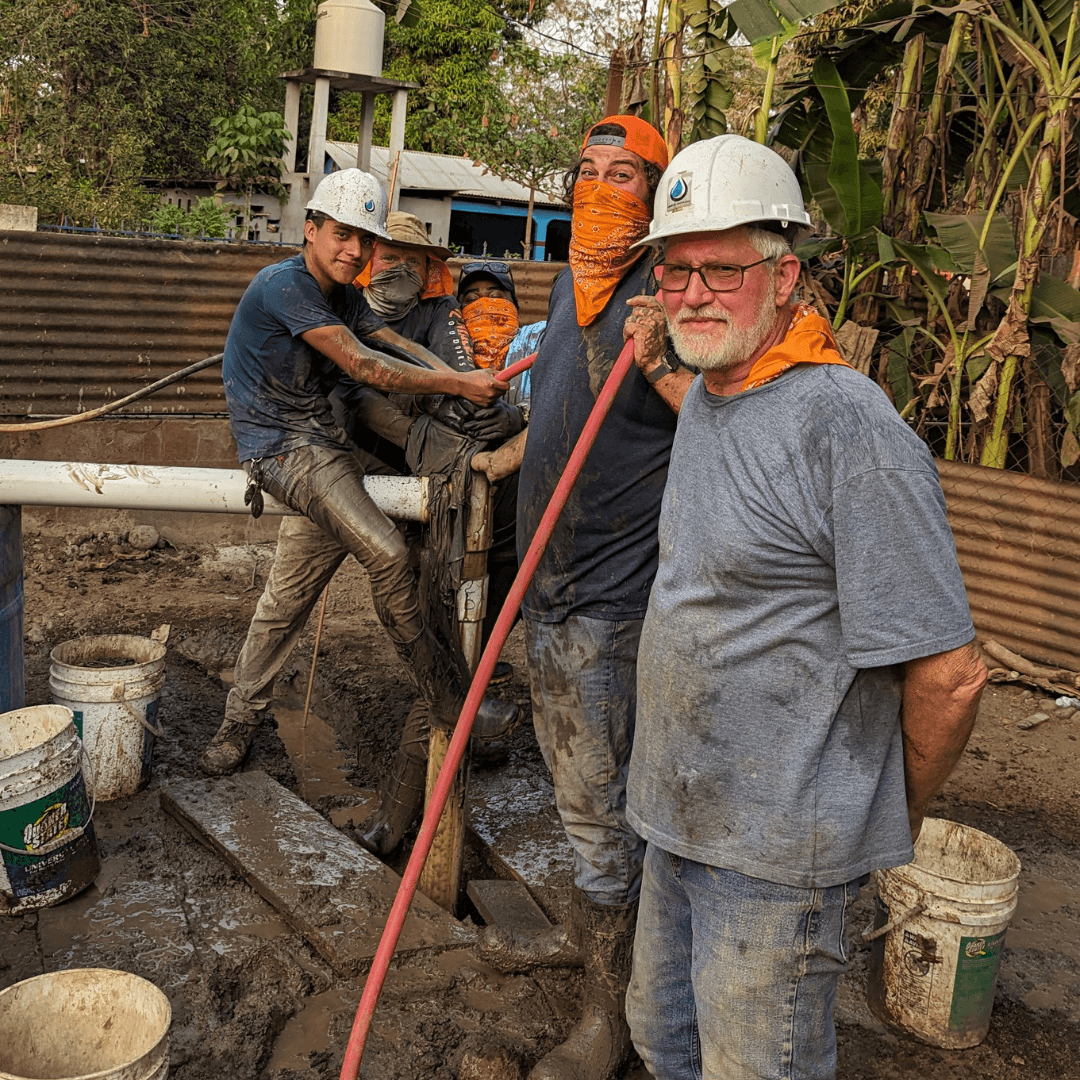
(295, 331)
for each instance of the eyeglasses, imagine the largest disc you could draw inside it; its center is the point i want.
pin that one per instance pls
(716, 277)
(491, 267)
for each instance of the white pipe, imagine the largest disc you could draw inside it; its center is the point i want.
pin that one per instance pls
(159, 487)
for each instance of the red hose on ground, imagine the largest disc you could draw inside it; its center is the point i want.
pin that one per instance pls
(354, 1052)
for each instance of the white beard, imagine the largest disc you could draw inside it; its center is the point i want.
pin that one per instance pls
(709, 351)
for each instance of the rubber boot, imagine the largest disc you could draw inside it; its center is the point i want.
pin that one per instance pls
(230, 744)
(401, 802)
(600, 1043)
(510, 950)
(435, 674)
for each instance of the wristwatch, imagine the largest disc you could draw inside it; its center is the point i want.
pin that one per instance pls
(667, 366)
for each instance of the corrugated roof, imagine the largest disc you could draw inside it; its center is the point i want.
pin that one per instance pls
(438, 172)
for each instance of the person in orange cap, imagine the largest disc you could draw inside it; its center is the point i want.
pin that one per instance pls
(584, 609)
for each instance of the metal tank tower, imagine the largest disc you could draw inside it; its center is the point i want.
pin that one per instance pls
(348, 56)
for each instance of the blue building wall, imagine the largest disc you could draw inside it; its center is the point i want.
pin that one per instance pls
(475, 222)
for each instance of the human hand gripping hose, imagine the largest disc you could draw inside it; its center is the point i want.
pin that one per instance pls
(354, 1052)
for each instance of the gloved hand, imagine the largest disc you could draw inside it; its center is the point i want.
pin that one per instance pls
(498, 421)
(456, 413)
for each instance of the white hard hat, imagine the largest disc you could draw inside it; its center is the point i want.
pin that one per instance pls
(721, 183)
(354, 198)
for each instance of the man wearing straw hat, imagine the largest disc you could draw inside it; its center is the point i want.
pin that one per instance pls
(806, 676)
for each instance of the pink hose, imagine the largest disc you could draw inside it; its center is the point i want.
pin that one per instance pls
(354, 1052)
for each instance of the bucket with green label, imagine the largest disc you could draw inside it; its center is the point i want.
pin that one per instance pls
(48, 851)
(939, 935)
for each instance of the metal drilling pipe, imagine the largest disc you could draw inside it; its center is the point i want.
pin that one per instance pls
(170, 487)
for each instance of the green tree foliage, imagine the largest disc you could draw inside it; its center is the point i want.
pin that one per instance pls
(246, 153)
(550, 103)
(100, 93)
(456, 50)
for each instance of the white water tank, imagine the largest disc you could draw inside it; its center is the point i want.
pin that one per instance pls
(349, 37)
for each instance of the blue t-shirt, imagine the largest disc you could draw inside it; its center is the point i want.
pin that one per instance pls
(602, 557)
(276, 384)
(804, 555)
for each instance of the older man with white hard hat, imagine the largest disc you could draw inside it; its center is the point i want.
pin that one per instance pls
(806, 673)
(295, 332)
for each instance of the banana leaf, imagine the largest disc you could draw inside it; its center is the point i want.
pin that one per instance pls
(928, 261)
(1054, 303)
(858, 194)
(959, 236)
(758, 19)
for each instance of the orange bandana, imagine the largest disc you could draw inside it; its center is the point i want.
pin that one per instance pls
(809, 340)
(492, 324)
(606, 222)
(440, 282)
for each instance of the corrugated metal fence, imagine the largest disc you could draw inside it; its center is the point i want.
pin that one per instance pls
(87, 319)
(84, 320)
(1018, 542)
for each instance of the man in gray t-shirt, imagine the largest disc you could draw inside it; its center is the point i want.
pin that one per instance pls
(806, 673)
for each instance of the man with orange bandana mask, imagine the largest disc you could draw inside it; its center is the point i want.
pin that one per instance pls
(584, 608)
(490, 308)
(797, 708)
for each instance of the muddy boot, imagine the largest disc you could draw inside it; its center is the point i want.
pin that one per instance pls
(436, 677)
(229, 746)
(600, 1043)
(521, 950)
(401, 802)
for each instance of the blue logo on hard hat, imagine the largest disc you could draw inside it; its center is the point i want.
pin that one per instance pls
(369, 206)
(679, 190)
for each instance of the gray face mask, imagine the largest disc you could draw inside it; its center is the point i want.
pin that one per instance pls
(393, 293)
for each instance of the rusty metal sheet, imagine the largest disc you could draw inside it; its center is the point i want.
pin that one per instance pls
(86, 319)
(1018, 543)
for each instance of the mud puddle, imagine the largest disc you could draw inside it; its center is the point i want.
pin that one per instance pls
(311, 1031)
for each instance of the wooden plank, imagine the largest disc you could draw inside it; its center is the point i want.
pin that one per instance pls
(512, 814)
(507, 903)
(327, 887)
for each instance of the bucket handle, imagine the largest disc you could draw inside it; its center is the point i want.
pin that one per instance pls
(71, 834)
(892, 924)
(119, 693)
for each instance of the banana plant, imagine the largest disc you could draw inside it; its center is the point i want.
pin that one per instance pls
(1046, 38)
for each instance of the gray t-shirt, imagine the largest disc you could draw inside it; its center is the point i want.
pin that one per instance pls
(804, 553)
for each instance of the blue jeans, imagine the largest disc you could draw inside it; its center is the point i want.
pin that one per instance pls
(735, 978)
(583, 674)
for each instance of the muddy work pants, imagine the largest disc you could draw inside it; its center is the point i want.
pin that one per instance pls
(340, 519)
(583, 677)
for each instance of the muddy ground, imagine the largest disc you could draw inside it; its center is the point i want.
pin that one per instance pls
(251, 998)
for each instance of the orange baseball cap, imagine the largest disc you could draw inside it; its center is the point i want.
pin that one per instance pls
(640, 138)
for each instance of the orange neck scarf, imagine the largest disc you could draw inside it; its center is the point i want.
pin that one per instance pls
(606, 222)
(809, 340)
(440, 282)
(492, 324)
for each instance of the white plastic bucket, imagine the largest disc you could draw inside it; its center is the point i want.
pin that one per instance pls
(48, 851)
(940, 932)
(84, 1022)
(115, 707)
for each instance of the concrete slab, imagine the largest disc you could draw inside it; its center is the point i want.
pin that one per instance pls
(513, 815)
(507, 903)
(325, 886)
